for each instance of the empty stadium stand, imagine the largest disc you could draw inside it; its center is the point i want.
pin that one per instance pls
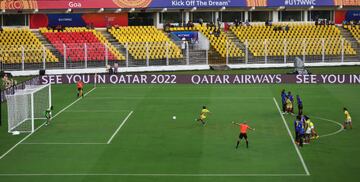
(17, 44)
(355, 31)
(299, 39)
(77, 39)
(146, 42)
(219, 42)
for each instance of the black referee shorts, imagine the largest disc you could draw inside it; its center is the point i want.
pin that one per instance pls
(243, 135)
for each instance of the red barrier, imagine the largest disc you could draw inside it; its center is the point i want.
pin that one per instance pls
(97, 20)
(339, 16)
(103, 20)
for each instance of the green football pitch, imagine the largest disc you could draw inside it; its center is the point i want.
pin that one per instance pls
(127, 133)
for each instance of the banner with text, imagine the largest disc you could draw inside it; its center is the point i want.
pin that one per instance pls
(200, 79)
(95, 4)
(78, 20)
(300, 3)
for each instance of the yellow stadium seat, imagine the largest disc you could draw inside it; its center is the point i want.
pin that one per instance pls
(15, 42)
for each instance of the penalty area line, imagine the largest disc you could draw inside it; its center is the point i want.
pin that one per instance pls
(292, 138)
(27, 136)
(60, 143)
(121, 125)
(149, 174)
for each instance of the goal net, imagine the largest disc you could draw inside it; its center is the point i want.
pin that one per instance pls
(26, 106)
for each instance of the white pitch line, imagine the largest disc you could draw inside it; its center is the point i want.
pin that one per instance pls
(292, 138)
(27, 136)
(174, 98)
(117, 130)
(61, 143)
(96, 111)
(170, 174)
(332, 121)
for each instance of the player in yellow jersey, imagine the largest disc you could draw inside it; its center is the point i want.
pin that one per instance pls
(307, 130)
(347, 119)
(310, 132)
(289, 105)
(203, 114)
(314, 134)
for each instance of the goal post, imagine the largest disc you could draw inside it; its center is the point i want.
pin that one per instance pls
(26, 106)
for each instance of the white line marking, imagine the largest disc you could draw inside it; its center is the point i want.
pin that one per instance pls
(62, 110)
(122, 124)
(333, 133)
(97, 111)
(61, 143)
(173, 98)
(173, 174)
(292, 138)
(27, 136)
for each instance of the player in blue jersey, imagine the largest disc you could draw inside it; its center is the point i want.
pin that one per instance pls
(299, 130)
(283, 100)
(300, 105)
(296, 123)
(291, 98)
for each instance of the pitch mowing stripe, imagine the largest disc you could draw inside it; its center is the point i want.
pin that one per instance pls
(165, 175)
(292, 139)
(27, 136)
(121, 125)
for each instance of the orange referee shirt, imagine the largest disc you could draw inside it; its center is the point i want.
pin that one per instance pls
(243, 128)
(79, 84)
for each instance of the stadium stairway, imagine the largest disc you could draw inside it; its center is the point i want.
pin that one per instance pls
(113, 41)
(45, 42)
(354, 44)
(238, 43)
(348, 36)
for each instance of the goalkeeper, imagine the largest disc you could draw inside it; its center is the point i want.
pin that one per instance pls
(48, 115)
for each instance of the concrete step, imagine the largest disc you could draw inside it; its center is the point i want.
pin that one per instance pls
(349, 37)
(113, 41)
(238, 43)
(48, 45)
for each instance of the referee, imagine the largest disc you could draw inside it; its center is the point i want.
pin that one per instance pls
(243, 130)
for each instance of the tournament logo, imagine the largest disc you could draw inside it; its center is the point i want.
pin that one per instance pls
(132, 3)
(18, 4)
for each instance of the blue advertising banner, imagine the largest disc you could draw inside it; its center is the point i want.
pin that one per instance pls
(352, 15)
(300, 3)
(74, 20)
(197, 3)
(188, 35)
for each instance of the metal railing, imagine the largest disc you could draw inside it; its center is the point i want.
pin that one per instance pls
(285, 50)
(85, 55)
